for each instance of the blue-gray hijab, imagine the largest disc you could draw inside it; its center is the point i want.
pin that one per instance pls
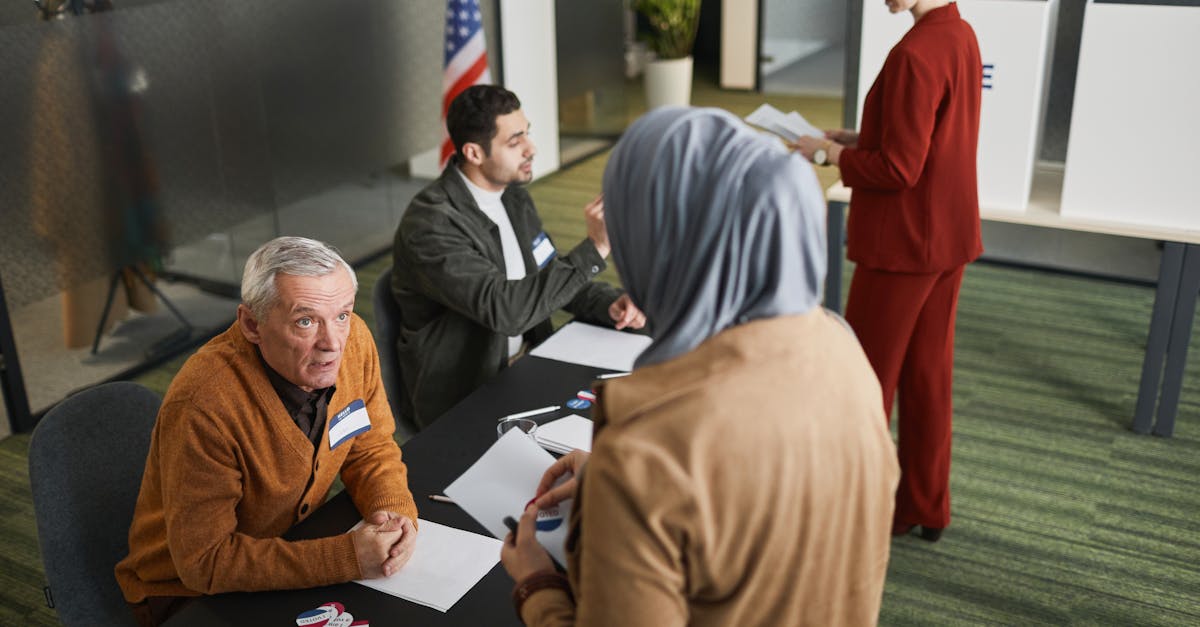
(712, 225)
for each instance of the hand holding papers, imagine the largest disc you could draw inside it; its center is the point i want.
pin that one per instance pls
(502, 482)
(445, 564)
(590, 345)
(790, 126)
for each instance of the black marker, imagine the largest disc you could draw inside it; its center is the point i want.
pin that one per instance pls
(511, 523)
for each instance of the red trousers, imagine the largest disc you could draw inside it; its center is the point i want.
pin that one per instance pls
(905, 323)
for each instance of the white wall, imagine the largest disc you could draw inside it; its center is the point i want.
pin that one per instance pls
(739, 43)
(530, 66)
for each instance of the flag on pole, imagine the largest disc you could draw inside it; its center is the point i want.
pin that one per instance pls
(465, 62)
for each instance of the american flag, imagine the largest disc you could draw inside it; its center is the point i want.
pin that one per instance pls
(466, 59)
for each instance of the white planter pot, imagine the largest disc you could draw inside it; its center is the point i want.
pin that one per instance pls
(669, 82)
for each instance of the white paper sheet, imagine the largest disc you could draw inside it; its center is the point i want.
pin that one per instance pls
(566, 434)
(590, 345)
(445, 564)
(500, 484)
(789, 126)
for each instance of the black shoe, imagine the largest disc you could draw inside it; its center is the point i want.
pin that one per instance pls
(931, 534)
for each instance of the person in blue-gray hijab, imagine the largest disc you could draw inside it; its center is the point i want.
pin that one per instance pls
(743, 473)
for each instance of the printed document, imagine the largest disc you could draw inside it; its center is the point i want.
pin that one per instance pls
(445, 564)
(565, 434)
(503, 481)
(788, 126)
(590, 345)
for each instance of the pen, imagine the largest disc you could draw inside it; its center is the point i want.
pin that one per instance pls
(613, 375)
(441, 499)
(532, 412)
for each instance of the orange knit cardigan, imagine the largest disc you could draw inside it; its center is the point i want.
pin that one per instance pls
(228, 473)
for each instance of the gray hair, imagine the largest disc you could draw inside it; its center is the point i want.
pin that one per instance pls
(297, 256)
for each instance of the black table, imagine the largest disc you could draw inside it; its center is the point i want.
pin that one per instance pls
(435, 457)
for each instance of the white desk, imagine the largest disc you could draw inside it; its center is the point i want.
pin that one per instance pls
(1174, 299)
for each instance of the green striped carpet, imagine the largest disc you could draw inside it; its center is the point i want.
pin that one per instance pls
(1061, 514)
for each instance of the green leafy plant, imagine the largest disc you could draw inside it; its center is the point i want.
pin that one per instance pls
(673, 25)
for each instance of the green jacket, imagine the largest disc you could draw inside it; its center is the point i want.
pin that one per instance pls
(457, 306)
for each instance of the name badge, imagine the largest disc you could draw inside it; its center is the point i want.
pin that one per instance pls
(543, 250)
(348, 423)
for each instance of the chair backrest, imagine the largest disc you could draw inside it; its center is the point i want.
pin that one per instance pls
(86, 459)
(387, 332)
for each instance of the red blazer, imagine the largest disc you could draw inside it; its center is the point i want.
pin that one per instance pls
(915, 206)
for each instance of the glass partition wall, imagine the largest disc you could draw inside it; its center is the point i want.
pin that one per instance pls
(593, 107)
(149, 148)
(803, 47)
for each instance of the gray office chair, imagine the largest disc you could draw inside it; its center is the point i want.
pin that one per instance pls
(387, 331)
(86, 459)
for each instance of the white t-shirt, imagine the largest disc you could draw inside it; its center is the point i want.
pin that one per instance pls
(514, 264)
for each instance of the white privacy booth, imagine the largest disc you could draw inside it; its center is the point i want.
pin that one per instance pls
(1134, 151)
(1132, 155)
(1015, 37)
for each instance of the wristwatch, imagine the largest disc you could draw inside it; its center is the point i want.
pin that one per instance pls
(821, 155)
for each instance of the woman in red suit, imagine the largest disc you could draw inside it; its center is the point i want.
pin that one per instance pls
(913, 226)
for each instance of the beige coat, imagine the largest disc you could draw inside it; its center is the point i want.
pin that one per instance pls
(749, 482)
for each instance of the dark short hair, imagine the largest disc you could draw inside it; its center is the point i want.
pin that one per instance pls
(472, 115)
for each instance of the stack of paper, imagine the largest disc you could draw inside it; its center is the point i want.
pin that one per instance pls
(590, 345)
(565, 434)
(502, 482)
(789, 127)
(445, 564)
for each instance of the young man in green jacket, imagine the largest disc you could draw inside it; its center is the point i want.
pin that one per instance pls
(476, 276)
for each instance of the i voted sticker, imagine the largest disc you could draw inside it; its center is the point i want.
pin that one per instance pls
(317, 617)
(335, 605)
(348, 423)
(331, 614)
(549, 519)
(342, 620)
(583, 399)
(543, 250)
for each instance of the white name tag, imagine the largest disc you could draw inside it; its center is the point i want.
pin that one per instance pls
(348, 423)
(543, 250)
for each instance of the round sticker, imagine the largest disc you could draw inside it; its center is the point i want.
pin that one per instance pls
(317, 617)
(549, 519)
(338, 607)
(578, 403)
(342, 620)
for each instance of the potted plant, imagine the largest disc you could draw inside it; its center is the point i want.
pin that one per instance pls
(673, 25)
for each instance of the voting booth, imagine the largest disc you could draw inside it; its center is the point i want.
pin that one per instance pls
(1015, 40)
(1134, 151)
